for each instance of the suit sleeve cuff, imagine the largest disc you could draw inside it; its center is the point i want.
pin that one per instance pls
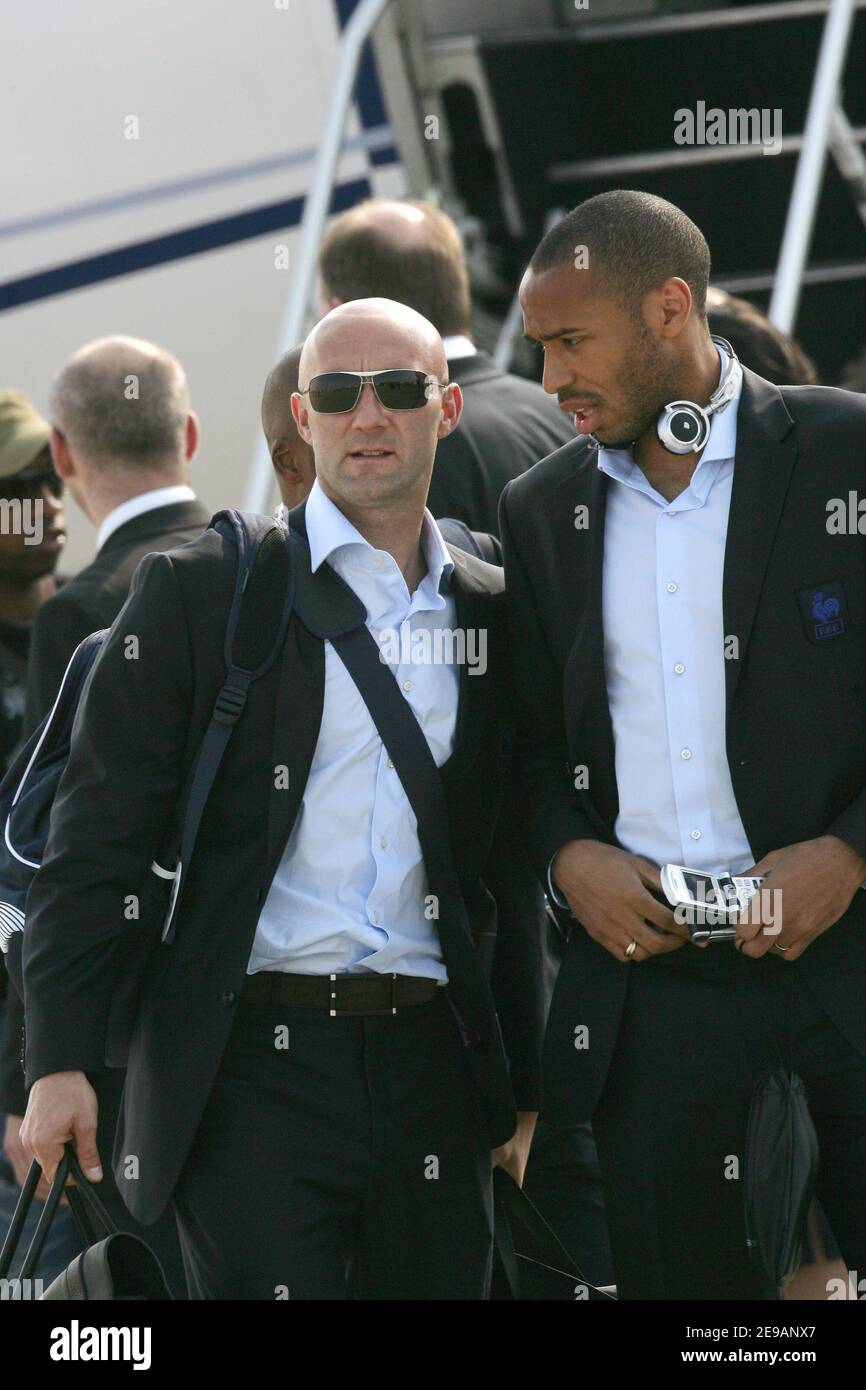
(553, 891)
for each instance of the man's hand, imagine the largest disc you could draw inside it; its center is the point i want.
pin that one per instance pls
(806, 889)
(14, 1151)
(514, 1155)
(20, 1160)
(62, 1107)
(607, 890)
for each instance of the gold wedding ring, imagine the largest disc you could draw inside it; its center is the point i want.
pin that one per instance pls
(630, 949)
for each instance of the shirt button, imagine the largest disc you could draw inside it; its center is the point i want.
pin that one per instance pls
(679, 668)
(376, 916)
(672, 587)
(229, 997)
(377, 559)
(390, 762)
(696, 834)
(685, 753)
(407, 685)
(383, 841)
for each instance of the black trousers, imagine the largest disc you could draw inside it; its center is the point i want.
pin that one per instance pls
(563, 1181)
(162, 1236)
(353, 1162)
(698, 1028)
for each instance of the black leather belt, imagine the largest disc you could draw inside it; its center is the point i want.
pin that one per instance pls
(344, 996)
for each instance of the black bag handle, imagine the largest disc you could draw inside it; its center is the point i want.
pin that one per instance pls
(552, 1254)
(19, 1216)
(84, 1205)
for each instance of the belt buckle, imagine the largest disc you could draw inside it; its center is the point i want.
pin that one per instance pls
(360, 1013)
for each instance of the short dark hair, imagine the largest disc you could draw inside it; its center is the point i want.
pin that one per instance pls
(282, 381)
(634, 242)
(427, 270)
(758, 343)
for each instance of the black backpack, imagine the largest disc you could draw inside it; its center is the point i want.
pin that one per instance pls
(255, 631)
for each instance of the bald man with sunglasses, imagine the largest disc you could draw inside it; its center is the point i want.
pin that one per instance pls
(317, 1077)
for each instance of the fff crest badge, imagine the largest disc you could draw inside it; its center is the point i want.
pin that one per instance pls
(824, 612)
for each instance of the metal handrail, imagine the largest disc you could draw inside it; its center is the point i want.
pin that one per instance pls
(810, 165)
(358, 30)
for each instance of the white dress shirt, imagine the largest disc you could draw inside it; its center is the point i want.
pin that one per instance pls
(349, 891)
(664, 658)
(136, 506)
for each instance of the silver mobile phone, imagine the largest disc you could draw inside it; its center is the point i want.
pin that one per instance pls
(713, 900)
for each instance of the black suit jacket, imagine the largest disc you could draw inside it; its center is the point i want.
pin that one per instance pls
(89, 601)
(796, 697)
(139, 725)
(94, 597)
(507, 425)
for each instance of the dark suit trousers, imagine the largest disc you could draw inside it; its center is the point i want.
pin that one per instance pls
(162, 1235)
(355, 1161)
(698, 1028)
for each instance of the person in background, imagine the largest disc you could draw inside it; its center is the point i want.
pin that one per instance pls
(758, 343)
(32, 536)
(412, 252)
(291, 455)
(854, 374)
(122, 439)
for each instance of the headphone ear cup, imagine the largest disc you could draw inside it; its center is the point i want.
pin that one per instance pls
(683, 428)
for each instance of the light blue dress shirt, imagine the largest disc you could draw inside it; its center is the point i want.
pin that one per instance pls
(349, 892)
(664, 658)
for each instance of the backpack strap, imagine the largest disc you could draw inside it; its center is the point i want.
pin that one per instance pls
(255, 633)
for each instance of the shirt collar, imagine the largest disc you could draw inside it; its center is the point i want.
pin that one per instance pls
(458, 345)
(722, 443)
(137, 506)
(329, 530)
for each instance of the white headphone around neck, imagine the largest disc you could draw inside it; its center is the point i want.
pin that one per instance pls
(684, 427)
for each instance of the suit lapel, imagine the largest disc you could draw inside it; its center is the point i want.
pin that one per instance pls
(762, 472)
(322, 605)
(472, 689)
(582, 568)
(300, 694)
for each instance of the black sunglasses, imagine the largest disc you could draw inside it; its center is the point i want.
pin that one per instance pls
(335, 393)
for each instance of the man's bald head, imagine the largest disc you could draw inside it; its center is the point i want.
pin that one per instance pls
(369, 335)
(407, 249)
(373, 457)
(123, 403)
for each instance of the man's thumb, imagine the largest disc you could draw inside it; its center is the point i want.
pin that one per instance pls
(88, 1154)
